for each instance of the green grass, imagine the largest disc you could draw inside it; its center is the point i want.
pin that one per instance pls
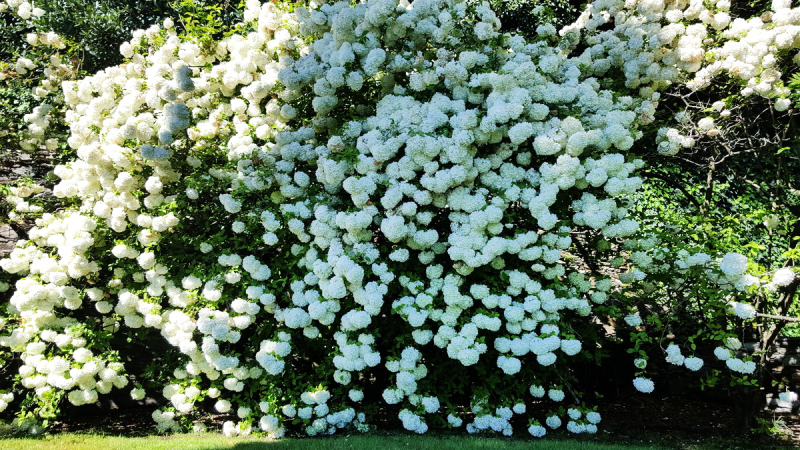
(215, 441)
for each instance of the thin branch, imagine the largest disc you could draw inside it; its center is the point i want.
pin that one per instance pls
(776, 317)
(771, 333)
(709, 194)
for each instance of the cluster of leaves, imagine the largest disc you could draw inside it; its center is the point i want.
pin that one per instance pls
(16, 100)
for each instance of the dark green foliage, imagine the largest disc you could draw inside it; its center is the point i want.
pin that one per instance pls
(519, 16)
(95, 30)
(12, 37)
(16, 100)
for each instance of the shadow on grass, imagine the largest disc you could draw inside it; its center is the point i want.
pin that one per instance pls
(431, 443)
(360, 442)
(559, 440)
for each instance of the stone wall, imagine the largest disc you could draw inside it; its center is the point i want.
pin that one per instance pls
(16, 164)
(784, 364)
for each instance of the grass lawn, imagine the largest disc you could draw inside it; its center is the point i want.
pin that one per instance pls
(369, 442)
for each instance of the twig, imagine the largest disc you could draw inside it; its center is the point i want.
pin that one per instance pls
(776, 317)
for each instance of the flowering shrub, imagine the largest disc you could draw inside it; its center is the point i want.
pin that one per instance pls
(343, 207)
(46, 42)
(30, 79)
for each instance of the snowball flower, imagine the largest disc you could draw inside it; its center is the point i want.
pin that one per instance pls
(743, 310)
(782, 104)
(454, 421)
(356, 395)
(733, 264)
(783, 277)
(706, 123)
(537, 430)
(222, 406)
(553, 422)
(643, 385)
(722, 353)
(137, 393)
(556, 395)
(694, 364)
(537, 391)
(633, 320)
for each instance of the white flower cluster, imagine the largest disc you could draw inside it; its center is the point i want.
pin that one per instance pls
(674, 356)
(743, 310)
(165, 420)
(633, 320)
(271, 355)
(734, 272)
(82, 374)
(751, 50)
(670, 141)
(643, 385)
(662, 42)
(497, 421)
(5, 399)
(24, 9)
(734, 364)
(19, 199)
(412, 422)
(408, 373)
(782, 278)
(55, 71)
